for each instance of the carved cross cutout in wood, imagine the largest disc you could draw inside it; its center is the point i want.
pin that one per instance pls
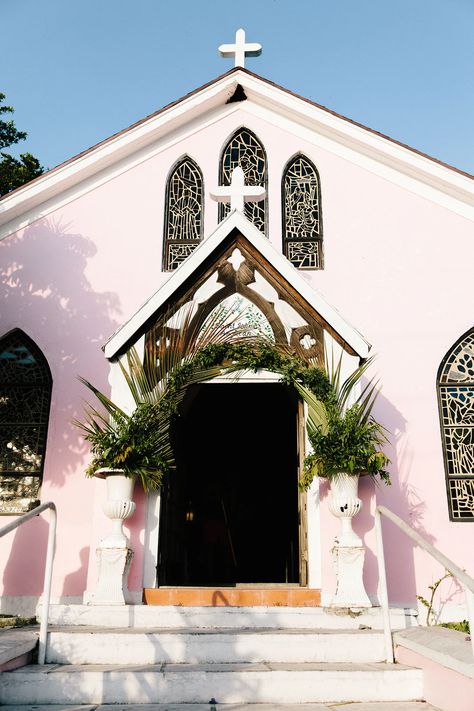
(237, 193)
(240, 49)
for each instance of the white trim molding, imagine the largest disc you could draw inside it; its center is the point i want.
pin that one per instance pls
(446, 185)
(237, 221)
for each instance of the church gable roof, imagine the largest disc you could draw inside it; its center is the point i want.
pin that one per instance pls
(46, 192)
(272, 280)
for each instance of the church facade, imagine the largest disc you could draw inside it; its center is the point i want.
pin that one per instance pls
(344, 241)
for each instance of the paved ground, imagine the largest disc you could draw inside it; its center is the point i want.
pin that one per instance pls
(375, 706)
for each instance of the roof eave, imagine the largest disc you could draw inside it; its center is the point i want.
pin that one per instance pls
(236, 220)
(360, 138)
(116, 147)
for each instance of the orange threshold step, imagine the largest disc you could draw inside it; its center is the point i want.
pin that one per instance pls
(233, 597)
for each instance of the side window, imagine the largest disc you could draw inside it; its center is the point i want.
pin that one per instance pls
(302, 219)
(25, 397)
(183, 213)
(245, 150)
(456, 405)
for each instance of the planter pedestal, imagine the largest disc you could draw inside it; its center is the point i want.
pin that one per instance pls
(350, 591)
(113, 565)
(114, 556)
(348, 552)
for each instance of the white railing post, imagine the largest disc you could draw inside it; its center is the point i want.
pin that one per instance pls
(48, 571)
(448, 564)
(48, 575)
(383, 592)
(470, 612)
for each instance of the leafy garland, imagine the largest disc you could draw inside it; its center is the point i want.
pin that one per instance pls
(234, 358)
(140, 443)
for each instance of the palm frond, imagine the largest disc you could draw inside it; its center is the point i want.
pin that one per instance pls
(317, 413)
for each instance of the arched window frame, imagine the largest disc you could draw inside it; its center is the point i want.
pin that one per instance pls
(311, 248)
(459, 484)
(23, 496)
(249, 207)
(176, 250)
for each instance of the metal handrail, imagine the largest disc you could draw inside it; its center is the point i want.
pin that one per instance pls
(451, 567)
(48, 568)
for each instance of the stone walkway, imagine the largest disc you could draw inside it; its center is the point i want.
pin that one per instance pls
(374, 706)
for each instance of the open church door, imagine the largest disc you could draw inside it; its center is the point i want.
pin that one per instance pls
(232, 514)
(302, 496)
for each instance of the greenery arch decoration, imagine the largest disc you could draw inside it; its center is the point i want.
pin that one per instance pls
(140, 443)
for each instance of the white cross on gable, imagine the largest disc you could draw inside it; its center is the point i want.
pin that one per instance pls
(240, 49)
(237, 192)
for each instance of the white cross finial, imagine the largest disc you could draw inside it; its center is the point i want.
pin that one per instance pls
(240, 50)
(237, 192)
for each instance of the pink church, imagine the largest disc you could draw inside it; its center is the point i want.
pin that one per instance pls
(354, 243)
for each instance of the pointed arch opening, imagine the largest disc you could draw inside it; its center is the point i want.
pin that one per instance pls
(183, 213)
(25, 399)
(455, 385)
(245, 150)
(302, 215)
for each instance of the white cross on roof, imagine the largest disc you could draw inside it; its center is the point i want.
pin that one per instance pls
(237, 192)
(240, 50)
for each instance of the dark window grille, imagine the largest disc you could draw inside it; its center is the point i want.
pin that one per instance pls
(245, 150)
(25, 396)
(184, 213)
(456, 406)
(302, 223)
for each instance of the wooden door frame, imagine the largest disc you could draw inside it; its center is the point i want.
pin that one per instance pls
(261, 377)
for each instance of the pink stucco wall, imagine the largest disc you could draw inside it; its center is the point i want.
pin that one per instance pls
(397, 266)
(444, 688)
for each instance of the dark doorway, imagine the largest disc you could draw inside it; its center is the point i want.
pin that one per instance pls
(230, 511)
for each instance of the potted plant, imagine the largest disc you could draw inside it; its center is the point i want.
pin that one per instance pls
(346, 443)
(125, 446)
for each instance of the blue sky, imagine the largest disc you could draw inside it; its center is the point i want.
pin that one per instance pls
(77, 71)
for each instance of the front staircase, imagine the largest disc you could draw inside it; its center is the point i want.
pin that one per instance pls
(142, 654)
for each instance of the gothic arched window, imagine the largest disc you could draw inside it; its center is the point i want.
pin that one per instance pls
(245, 150)
(302, 224)
(456, 406)
(25, 396)
(183, 216)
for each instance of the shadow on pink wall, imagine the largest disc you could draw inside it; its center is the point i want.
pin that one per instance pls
(402, 498)
(75, 581)
(25, 566)
(44, 291)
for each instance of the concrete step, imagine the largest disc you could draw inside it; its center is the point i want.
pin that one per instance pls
(175, 617)
(240, 596)
(201, 683)
(370, 706)
(92, 645)
(16, 647)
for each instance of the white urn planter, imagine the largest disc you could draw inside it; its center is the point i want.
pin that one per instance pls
(349, 551)
(345, 504)
(114, 556)
(118, 505)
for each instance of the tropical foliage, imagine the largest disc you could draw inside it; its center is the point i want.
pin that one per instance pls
(140, 443)
(14, 172)
(343, 437)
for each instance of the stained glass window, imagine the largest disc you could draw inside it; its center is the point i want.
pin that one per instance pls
(302, 226)
(25, 394)
(245, 150)
(456, 403)
(183, 218)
